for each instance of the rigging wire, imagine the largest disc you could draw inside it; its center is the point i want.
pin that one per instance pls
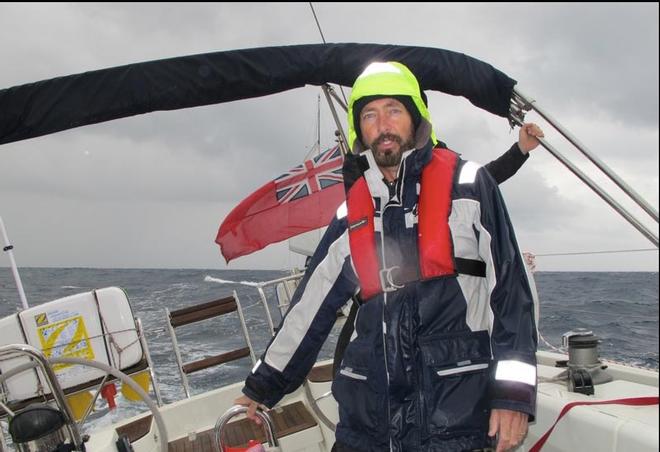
(318, 25)
(594, 252)
(630, 316)
(317, 22)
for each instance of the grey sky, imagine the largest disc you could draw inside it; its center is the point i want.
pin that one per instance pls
(151, 191)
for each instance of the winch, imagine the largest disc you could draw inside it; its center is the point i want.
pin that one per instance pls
(585, 370)
(39, 428)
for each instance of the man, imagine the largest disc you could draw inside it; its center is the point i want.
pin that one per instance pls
(443, 354)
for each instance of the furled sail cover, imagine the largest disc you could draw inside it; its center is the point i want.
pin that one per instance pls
(50, 106)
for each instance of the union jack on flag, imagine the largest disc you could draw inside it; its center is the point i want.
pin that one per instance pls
(323, 171)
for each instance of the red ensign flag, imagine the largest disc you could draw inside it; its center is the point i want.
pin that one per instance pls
(303, 199)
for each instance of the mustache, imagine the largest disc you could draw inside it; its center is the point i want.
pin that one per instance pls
(387, 136)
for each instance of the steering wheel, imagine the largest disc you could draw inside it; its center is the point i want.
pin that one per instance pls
(160, 423)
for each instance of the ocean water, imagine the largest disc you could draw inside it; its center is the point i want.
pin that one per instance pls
(620, 308)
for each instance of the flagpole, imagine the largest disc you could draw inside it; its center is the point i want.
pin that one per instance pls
(327, 89)
(318, 122)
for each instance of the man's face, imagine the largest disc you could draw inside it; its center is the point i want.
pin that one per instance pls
(387, 129)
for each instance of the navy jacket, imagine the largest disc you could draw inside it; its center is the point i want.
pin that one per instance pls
(427, 362)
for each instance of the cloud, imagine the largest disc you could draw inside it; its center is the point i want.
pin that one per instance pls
(616, 72)
(151, 190)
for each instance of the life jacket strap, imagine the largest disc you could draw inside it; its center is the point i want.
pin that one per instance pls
(470, 267)
(394, 278)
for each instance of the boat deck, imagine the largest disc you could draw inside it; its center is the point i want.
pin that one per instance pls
(287, 420)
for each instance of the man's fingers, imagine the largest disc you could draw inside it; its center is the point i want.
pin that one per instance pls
(522, 429)
(505, 439)
(510, 427)
(493, 424)
(528, 137)
(252, 413)
(536, 131)
(533, 130)
(251, 408)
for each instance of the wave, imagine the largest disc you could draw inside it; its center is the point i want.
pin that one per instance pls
(225, 281)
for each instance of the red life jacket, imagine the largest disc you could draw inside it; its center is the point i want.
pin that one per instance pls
(436, 256)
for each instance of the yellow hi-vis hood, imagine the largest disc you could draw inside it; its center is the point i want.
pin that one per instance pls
(383, 79)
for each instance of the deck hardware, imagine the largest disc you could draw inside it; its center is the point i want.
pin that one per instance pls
(266, 422)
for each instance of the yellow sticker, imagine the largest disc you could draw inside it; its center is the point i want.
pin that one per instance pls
(65, 339)
(41, 319)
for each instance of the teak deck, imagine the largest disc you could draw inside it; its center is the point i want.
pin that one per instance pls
(287, 420)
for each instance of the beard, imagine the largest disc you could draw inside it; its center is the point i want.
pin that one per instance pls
(390, 157)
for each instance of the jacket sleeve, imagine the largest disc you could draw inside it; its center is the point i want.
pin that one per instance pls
(507, 164)
(328, 284)
(513, 335)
